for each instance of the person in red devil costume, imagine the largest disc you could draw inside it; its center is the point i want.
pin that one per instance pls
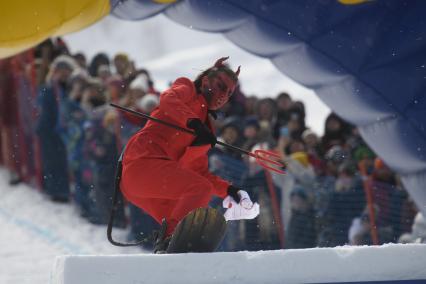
(165, 171)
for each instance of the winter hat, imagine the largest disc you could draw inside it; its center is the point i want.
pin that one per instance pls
(252, 121)
(148, 102)
(64, 62)
(232, 120)
(122, 56)
(308, 132)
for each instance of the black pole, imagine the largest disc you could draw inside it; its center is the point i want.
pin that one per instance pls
(140, 114)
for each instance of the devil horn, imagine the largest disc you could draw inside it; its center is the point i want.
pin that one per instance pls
(238, 71)
(219, 62)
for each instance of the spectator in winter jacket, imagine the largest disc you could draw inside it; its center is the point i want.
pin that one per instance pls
(50, 127)
(284, 102)
(250, 106)
(123, 65)
(165, 171)
(300, 173)
(102, 151)
(9, 122)
(230, 133)
(266, 113)
(336, 131)
(296, 123)
(346, 202)
(251, 129)
(75, 136)
(301, 229)
(313, 150)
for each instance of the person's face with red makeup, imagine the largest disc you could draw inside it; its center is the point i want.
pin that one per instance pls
(217, 89)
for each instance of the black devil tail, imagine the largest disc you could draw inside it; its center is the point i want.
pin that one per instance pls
(114, 206)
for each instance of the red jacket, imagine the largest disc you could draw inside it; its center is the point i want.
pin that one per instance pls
(177, 104)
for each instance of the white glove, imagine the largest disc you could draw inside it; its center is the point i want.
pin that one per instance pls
(246, 209)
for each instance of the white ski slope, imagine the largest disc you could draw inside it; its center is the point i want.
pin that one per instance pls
(35, 230)
(390, 263)
(44, 242)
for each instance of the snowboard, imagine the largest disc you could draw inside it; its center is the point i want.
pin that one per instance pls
(202, 230)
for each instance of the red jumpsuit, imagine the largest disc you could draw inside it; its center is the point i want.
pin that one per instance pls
(162, 173)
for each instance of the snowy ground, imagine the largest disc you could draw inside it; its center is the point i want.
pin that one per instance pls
(393, 263)
(35, 230)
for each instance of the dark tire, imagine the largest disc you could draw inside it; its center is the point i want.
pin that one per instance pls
(202, 230)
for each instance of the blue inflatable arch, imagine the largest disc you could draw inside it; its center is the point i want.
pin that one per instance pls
(367, 61)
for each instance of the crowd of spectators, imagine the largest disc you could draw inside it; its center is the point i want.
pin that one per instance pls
(336, 191)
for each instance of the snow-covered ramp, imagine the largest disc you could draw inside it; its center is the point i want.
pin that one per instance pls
(390, 263)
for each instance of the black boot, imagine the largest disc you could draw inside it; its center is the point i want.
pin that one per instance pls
(160, 241)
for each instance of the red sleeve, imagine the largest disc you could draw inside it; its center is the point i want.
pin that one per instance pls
(220, 185)
(196, 159)
(174, 101)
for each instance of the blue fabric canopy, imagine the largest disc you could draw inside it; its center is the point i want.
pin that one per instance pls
(367, 62)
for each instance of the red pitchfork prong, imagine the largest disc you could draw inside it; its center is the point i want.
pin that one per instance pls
(261, 157)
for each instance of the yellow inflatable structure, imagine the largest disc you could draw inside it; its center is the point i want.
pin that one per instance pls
(26, 23)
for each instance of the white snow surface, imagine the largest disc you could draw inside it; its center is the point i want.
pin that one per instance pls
(45, 242)
(318, 265)
(169, 50)
(34, 231)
